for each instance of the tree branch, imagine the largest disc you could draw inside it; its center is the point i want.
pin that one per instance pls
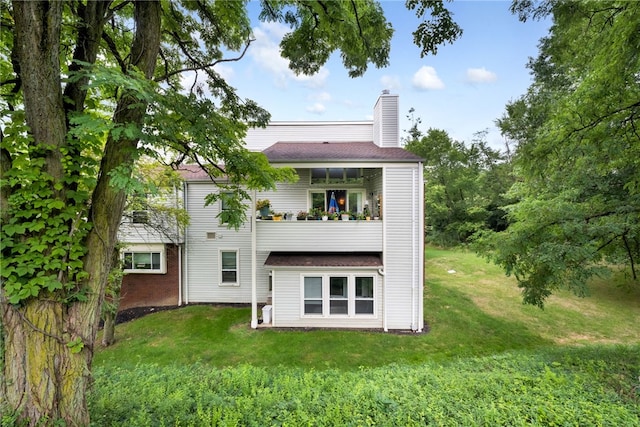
(199, 65)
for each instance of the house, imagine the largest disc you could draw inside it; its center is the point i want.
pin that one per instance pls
(353, 273)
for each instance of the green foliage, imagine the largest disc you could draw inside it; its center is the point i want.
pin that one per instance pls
(592, 386)
(464, 185)
(439, 30)
(577, 154)
(43, 233)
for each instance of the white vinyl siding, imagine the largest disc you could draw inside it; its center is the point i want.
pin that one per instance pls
(386, 127)
(205, 239)
(401, 244)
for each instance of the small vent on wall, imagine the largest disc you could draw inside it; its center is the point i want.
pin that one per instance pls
(211, 235)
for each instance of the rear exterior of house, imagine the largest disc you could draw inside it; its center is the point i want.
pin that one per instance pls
(354, 273)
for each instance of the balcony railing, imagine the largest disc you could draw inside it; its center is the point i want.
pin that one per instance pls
(319, 236)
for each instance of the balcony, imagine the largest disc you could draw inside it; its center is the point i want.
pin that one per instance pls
(319, 236)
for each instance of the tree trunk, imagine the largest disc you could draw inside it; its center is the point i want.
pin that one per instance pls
(47, 345)
(109, 329)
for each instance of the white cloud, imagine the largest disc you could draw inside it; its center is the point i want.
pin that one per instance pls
(426, 78)
(480, 75)
(316, 108)
(320, 96)
(390, 82)
(265, 51)
(225, 71)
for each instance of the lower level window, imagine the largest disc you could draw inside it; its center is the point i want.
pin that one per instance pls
(143, 259)
(313, 295)
(229, 267)
(364, 295)
(344, 295)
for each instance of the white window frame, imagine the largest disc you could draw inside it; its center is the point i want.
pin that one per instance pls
(351, 295)
(344, 180)
(221, 282)
(349, 191)
(145, 249)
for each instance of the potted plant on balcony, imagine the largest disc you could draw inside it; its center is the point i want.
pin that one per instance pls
(277, 216)
(263, 206)
(302, 215)
(314, 214)
(345, 215)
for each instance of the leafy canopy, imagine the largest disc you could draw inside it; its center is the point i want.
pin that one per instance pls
(578, 151)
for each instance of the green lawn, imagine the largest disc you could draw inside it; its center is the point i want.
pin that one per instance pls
(476, 311)
(486, 360)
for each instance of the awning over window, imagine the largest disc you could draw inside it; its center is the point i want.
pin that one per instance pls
(323, 259)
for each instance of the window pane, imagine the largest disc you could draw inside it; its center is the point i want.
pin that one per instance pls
(155, 260)
(313, 306)
(140, 217)
(338, 287)
(364, 287)
(142, 261)
(229, 276)
(128, 261)
(355, 202)
(352, 174)
(338, 306)
(313, 287)
(317, 201)
(318, 175)
(364, 307)
(228, 260)
(336, 175)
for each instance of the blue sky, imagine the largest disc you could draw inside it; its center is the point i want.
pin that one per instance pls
(463, 89)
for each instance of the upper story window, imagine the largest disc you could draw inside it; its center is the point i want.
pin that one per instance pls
(320, 176)
(351, 200)
(144, 259)
(140, 217)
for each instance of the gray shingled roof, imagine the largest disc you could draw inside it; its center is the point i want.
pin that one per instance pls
(322, 259)
(345, 151)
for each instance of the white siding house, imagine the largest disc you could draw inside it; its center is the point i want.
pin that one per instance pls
(355, 273)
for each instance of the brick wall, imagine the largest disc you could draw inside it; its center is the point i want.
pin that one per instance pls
(152, 290)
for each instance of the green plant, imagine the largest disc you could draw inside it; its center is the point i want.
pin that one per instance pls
(263, 203)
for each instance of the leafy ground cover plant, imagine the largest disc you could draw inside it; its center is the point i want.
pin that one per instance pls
(572, 386)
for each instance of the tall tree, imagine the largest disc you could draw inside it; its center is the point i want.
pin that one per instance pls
(464, 184)
(577, 151)
(87, 86)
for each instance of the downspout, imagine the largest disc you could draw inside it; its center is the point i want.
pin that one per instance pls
(254, 292)
(180, 275)
(384, 252)
(414, 284)
(185, 188)
(420, 247)
(180, 248)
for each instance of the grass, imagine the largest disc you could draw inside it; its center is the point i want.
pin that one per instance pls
(474, 312)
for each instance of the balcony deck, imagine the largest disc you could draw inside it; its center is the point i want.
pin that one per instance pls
(319, 236)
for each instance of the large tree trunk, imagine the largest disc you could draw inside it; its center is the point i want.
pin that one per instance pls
(48, 344)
